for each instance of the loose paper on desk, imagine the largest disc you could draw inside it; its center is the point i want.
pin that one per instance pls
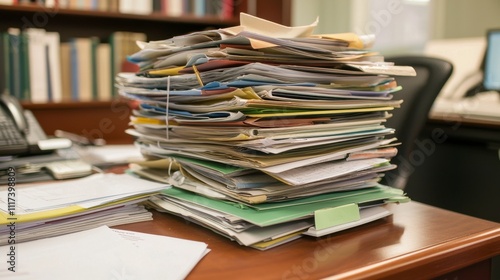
(102, 253)
(110, 154)
(50, 200)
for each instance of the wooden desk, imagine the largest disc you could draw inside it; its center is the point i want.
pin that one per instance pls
(466, 128)
(419, 241)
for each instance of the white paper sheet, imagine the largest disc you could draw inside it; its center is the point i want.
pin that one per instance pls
(102, 253)
(86, 192)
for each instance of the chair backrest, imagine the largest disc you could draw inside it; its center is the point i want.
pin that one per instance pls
(418, 95)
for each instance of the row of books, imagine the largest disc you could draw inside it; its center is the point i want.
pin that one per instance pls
(199, 8)
(267, 133)
(39, 68)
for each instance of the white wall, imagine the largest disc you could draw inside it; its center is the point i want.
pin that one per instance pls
(444, 19)
(397, 24)
(465, 18)
(334, 15)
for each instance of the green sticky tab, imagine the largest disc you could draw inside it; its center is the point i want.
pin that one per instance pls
(329, 217)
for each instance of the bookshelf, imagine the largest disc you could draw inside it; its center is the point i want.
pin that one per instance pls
(85, 23)
(93, 116)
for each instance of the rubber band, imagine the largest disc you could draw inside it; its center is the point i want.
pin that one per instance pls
(166, 109)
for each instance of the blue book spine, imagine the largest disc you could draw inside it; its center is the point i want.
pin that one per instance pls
(199, 8)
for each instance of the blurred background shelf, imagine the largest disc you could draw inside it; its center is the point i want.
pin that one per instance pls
(93, 119)
(109, 119)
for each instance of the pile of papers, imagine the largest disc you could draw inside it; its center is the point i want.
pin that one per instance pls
(266, 132)
(43, 210)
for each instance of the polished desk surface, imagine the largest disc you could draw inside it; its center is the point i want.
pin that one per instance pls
(462, 127)
(418, 241)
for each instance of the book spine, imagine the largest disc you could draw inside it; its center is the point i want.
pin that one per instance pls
(93, 66)
(53, 59)
(74, 70)
(48, 70)
(144, 7)
(14, 81)
(174, 8)
(37, 65)
(84, 47)
(25, 69)
(66, 76)
(104, 79)
(157, 6)
(4, 63)
(199, 8)
(227, 9)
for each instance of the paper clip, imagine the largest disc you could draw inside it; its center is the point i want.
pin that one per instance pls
(197, 75)
(170, 166)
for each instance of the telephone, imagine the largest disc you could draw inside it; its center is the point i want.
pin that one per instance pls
(20, 132)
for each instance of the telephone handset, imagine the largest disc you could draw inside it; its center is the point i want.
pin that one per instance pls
(16, 111)
(20, 132)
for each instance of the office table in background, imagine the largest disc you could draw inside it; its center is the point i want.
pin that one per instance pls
(460, 173)
(418, 241)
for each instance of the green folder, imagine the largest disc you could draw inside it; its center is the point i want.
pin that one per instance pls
(267, 214)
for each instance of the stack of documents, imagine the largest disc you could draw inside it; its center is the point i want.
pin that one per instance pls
(265, 130)
(49, 209)
(103, 253)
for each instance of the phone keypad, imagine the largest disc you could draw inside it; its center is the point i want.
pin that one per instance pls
(11, 139)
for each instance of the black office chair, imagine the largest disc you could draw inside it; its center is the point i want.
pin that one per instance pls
(418, 95)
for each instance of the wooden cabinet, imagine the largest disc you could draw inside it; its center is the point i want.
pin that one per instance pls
(107, 119)
(95, 119)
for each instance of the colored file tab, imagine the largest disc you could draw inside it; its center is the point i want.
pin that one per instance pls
(342, 214)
